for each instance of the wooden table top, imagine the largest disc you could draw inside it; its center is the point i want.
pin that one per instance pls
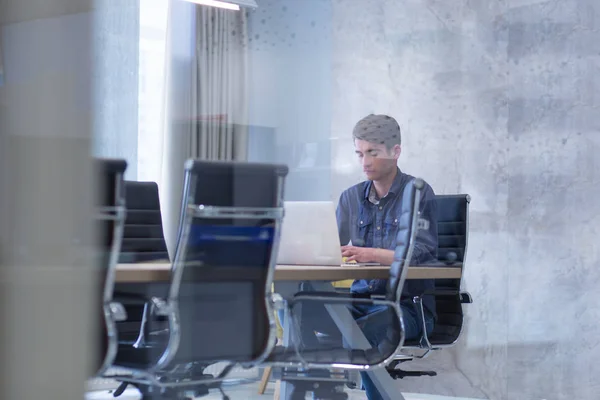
(160, 272)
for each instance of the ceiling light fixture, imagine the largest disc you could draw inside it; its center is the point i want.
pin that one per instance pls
(226, 4)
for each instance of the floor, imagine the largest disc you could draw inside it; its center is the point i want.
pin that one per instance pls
(102, 389)
(249, 392)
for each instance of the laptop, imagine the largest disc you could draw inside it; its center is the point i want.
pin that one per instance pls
(309, 235)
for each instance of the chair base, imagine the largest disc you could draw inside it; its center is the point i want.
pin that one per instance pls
(397, 373)
(188, 385)
(400, 374)
(320, 390)
(325, 385)
(154, 393)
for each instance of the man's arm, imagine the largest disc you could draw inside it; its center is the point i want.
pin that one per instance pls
(342, 214)
(426, 242)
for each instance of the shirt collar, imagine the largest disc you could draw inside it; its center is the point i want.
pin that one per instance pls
(394, 189)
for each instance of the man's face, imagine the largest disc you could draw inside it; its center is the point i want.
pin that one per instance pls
(376, 159)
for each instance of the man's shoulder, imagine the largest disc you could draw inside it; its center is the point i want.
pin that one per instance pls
(426, 188)
(355, 190)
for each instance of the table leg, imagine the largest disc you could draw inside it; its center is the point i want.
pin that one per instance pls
(264, 380)
(344, 320)
(277, 394)
(287, 289)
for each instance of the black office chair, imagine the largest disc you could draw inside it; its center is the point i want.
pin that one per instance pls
(334, 354)
(453, 229)
(219, 300)
(110, 216)
(143, 241)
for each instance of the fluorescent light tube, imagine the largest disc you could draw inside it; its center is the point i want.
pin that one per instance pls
(227, 4)
(216, 3)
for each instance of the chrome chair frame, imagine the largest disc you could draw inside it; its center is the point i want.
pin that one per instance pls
(424, 343)
(342, 298)
(170, 307)
(113, 311)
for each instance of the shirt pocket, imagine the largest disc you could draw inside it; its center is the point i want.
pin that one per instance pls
(391, 231)
(364, 229)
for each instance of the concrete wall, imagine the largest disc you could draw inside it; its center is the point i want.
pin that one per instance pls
(499, 100)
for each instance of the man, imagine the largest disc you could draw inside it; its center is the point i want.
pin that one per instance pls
(367, 215)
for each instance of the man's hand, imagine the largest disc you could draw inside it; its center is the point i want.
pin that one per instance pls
(359, 254)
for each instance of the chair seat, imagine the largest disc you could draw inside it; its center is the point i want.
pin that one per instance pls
(442, 335)
(146, 355)
(326, 356)
(442, 339)
(140, 257)
(140, 358)
(130, 327)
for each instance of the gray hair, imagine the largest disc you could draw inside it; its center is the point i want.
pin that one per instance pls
(380, 129)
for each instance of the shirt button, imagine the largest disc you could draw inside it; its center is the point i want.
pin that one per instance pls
(378, 228)
(381, 208)
(361, 222)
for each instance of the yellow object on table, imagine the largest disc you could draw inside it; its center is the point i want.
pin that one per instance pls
(346, 284)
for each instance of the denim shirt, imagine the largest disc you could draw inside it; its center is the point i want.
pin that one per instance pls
(366, 224)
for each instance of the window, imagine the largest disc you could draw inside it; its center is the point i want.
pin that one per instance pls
(152, 61)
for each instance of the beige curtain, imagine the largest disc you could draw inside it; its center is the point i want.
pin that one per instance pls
(220, 85)
(206, 111)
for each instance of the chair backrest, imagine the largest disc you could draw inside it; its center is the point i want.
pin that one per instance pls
(453, 229)
(453, 226)
(225, 261)
(110, 215)
(408, 225)
(143, 238)
(405, 240)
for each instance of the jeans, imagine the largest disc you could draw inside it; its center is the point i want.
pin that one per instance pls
(372, 322)
(372, 331)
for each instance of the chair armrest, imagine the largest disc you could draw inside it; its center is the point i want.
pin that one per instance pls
(117, 312)
(278, 301)
(159, 307)
(342, 298)
(466, 298)
(337, 295)
(440, 292)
